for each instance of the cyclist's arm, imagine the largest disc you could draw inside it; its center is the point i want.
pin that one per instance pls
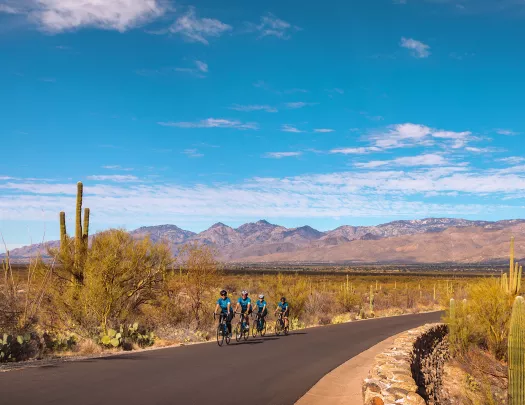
(216, 308)
(229, 308)
(237, 307)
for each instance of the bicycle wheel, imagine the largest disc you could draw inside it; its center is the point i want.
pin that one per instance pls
(238, 332)
(278, 327)
(263, 330)
(255, 329)
(228, 338)
(246, 333)
(286, 328)
(220, 335)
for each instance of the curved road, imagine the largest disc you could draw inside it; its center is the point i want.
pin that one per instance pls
(268, 371)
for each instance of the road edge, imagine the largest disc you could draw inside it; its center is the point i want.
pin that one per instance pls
(343, 385)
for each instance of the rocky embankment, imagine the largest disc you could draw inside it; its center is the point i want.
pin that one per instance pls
(411, 371)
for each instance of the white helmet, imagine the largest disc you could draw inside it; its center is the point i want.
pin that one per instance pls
(244, 292)
(261, 296)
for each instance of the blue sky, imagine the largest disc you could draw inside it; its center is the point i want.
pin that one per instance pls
(356, 112)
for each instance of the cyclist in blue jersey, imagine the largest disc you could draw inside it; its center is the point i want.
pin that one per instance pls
(225, 306)
(284, 308)
(245, 304)
(261, 308)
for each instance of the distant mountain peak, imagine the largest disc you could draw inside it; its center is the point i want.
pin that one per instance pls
(219, 225)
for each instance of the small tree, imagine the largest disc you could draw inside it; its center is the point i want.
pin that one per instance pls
(120, 275)
(202, 272)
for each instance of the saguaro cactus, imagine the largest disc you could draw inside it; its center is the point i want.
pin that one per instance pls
(452, 335)
(81, 235)
(512, 283)
(371, 300)
(516, 347)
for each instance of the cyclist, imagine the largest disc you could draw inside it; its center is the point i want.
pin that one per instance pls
(284, 309)
(261, 308)
(224, 304)
(246, 307)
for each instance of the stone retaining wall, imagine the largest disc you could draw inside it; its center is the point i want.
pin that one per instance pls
(410, 371)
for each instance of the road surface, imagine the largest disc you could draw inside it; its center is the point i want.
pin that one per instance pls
(268, 371)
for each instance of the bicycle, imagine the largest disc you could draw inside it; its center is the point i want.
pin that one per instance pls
(280, 325)
(241, 330)
(259, 325)
(222, 330)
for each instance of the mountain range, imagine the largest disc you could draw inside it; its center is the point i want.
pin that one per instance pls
(430, 240)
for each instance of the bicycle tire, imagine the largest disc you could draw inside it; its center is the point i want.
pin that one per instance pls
(278, 327)
(255, 329)
(263, 330)
(286, 330)
(220, 335)
(238, 332)
(228, 338)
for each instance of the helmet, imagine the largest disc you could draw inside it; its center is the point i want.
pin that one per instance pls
(244, 292)
(283, 299)
(261, 296)
(224, 292)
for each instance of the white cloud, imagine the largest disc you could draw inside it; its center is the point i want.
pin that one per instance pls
(195, 29)
(290, 128)
(7, 9)
(212, 123)
(512, 160)
(323, 130)
(120, 15)
(193, 153)
(352, 193)
(408, 135)
(250, 108)
(355, 151)
(270, 25)
(118, 178)
(482, 150)
(506, 132)
(299, 104)
(117, 167)
(419, 49)
(203, 67)
(199, 70)
(279, 155)
(429, 159)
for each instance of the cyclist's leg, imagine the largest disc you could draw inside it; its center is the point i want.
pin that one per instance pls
(229, 322)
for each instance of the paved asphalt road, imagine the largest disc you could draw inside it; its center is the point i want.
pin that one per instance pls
(268, 371)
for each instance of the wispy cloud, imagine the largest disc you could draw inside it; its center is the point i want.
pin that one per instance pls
(512, 160)
(192, 153)
(323, 130)
(212, 123)
(199, 70)
(261, 84)
(290, 128)
(120, 15)
(7, 9)
(361, 193)
(250, 108)
(408, 135)
(408, 161)
(270, 25)
(506, 132)
(118, 178)
(354, 151)
(418, 48)
(483, 150)
(299, 104)
(280, 155)
(117, 167)
(195, 29)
